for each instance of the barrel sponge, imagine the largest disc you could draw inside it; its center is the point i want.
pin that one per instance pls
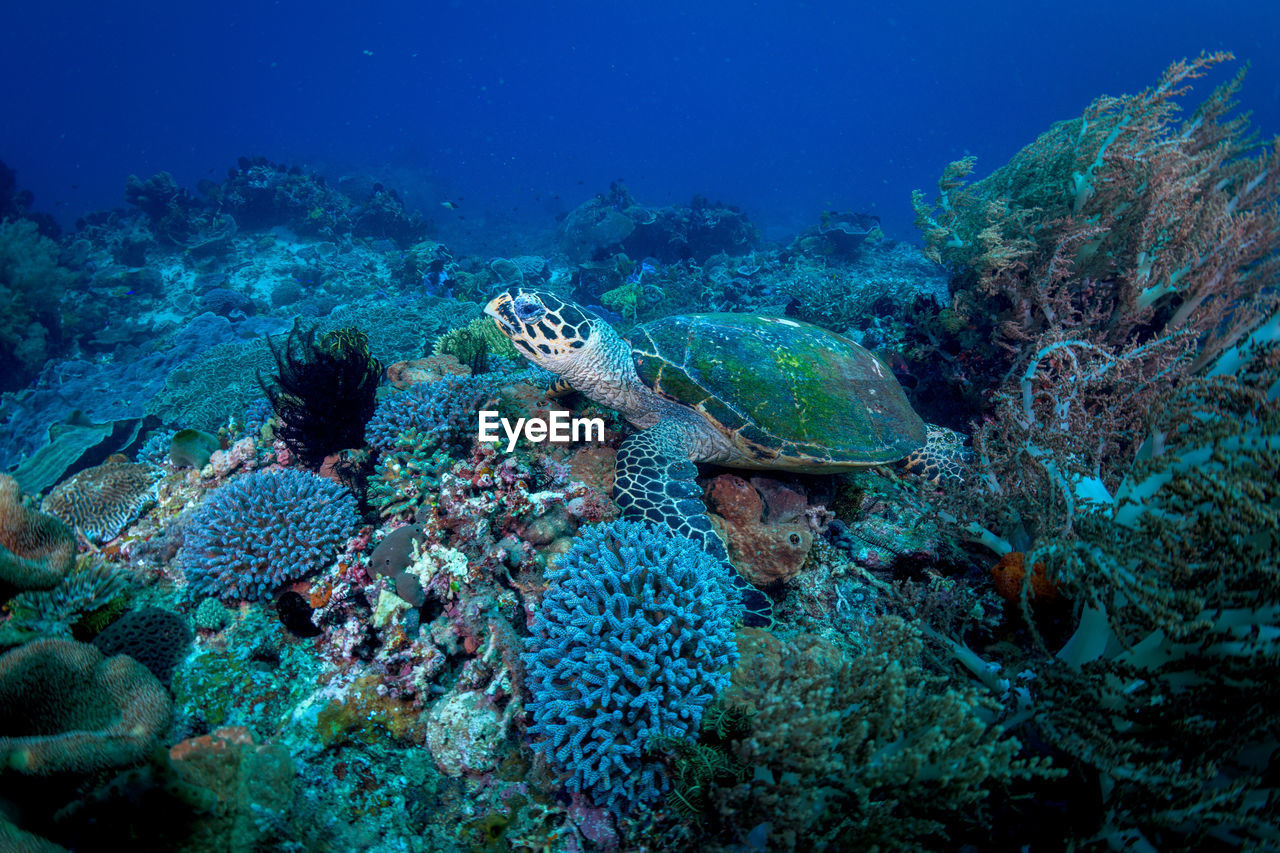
(260, 531)
(65, 708)
(634, 638)
(36, 550)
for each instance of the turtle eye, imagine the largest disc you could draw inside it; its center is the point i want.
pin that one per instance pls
(528, 310)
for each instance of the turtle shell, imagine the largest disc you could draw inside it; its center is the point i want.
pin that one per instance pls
(786, 393)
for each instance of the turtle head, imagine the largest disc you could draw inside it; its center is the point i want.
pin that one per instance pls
(548, 330)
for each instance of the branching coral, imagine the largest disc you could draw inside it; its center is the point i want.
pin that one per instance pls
(1177, 644)
(432, 414)
(633, 640)
(860, 751)
(262, 530)
(407, 475)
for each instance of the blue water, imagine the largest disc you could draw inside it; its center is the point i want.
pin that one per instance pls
(525, 110)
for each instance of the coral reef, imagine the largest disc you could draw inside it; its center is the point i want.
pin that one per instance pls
(462, 650)
(64, 708)
(254, 674)
(97, 397)
(31, 283)
(1163, 687)
(613, 222)
(261, 530)
(839, 234)
(100, 502)
(633, 640)
(36, 550)
(170, 209)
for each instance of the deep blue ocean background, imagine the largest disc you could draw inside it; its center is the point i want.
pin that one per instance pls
(517, 112)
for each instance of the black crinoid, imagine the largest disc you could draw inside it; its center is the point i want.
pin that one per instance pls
(323, 391)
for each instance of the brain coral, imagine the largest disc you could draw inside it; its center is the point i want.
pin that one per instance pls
(633, 640)
(264, 529)
(103, 500)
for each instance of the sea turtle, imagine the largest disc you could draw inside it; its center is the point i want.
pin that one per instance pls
(739, 390)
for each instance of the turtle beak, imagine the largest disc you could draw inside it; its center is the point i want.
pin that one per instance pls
(495, 306)
(499, 308)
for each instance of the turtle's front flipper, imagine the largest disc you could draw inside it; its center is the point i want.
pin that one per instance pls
(943, 460)
(655, 483)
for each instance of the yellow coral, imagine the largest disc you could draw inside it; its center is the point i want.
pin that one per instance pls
(476, 340)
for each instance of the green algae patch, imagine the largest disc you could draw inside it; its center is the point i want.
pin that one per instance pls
(253, 676)
(361, 716)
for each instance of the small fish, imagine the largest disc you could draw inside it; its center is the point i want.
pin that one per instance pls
(448, 205)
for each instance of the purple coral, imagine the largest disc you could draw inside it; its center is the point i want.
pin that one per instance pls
(260, 531)
(633, 640)
(443, 410)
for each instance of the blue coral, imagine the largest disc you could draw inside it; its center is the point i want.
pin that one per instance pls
(260, 531)
(155, 450)
(634, 638)
(443, 411)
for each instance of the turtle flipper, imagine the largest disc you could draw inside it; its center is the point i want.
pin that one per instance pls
(654, 482)
(943, 460)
